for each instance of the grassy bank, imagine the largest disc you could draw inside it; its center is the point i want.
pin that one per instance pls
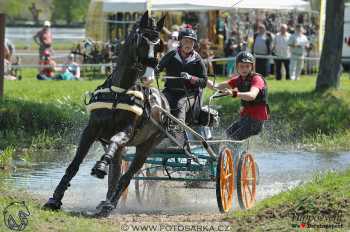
(35, 113)
(325, 201)
(44, 110)
(42, 221)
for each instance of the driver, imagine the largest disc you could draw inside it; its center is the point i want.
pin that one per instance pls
(251, 88)
(183, 94)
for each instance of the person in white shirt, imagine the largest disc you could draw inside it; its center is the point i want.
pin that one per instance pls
(298, 43)
(282, 52)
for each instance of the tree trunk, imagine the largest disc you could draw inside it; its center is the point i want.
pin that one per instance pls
(330, 63)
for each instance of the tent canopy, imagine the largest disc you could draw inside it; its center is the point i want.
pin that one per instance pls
(200, 5)
(165, 5)
(273, 4)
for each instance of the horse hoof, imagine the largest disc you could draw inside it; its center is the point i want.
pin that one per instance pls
(99, 170)
(52, 204)
(104, 211)
(98, 173)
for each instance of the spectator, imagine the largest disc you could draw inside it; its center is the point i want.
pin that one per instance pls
(262, 46)
(47, 70)
(282, 52)
(298, 43)
(71, 70)
(221, 26)
(231, 50)
(9, 49)
(207, 55)
(44, 38)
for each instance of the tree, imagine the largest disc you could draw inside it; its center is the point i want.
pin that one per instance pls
(330, 63)
(13, 9)
(35, 12)
(69, 11)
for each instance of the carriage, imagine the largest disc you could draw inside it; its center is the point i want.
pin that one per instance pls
(200, 158)
(124, 113)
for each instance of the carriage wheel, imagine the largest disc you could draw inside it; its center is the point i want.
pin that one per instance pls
(246, 181)
(257, 173)
(225, 180)
(124, 196)
(146, 190)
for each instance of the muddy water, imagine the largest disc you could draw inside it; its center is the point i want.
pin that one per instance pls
(279, 171)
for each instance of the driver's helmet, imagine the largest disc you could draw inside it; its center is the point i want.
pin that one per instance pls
(245, 57)
(188, 33)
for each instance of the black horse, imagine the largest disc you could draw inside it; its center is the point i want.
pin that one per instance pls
(118, 127)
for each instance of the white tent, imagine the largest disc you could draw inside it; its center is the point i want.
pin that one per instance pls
(273, 4)
(200, 5)
(99, 10)
(165, 5)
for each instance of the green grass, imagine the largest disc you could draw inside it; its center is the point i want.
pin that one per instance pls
(6, 157)
(324, 196)
(41, 113)
(57, 45)
(42, 221)
(44, 109)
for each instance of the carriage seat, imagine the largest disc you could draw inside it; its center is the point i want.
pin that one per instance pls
(205, 117)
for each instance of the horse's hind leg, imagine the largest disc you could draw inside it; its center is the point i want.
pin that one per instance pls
(86, 140)
(142, 152)
(114, 173)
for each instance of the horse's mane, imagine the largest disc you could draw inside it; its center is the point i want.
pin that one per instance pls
(127, 56)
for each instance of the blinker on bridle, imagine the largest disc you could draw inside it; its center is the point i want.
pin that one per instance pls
(147, 34)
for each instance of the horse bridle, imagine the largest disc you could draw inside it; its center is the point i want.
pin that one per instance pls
(141, 34)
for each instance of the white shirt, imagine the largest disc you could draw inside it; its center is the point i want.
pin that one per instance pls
(260, 44)
(299, 40)
(280, 44)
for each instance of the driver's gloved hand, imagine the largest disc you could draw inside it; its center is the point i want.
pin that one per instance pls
(234, 93)
(187, 76)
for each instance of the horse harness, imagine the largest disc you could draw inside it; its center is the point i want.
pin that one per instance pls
(114, 98)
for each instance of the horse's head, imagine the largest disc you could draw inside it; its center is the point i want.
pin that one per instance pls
(140, 48)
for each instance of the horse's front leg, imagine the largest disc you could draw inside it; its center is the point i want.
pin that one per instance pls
(86, 140)
(114, 171)
(117, 141)
(142, 152)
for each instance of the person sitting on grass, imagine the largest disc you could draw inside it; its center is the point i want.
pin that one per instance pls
(47, 67)
(251, 88)
(71, 70)
(8, 52)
